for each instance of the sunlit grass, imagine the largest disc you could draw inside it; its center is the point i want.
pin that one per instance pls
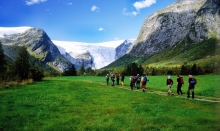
(86, 103)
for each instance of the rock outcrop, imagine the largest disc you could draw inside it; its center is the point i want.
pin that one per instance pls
(166, 27)
(124, 48)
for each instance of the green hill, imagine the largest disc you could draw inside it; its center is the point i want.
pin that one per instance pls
(185, 52)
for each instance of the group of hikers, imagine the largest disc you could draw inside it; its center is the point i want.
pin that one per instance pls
(135, 81)
(191, 85)
(139, 81)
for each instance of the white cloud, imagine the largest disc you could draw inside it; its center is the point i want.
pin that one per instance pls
(143, 4)
(101, 29)
(70, 3)
(31, 2)
(133, 13)
(95, 8)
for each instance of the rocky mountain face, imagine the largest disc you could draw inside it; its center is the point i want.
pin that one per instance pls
(207, 22)
(39, 46)
(124, 48)
(173, 24)
(85, 58)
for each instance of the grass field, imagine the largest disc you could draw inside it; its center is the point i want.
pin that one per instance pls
(86, 103)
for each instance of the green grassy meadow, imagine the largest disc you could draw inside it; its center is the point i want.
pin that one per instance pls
(86, 103)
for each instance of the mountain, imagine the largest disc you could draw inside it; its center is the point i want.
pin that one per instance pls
(188, 31)
(60, 55)
(207, 22)
(94, 55)
(124, 48)
(166, 27)
(40, 47)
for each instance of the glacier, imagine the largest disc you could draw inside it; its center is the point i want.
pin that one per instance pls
(103, 53)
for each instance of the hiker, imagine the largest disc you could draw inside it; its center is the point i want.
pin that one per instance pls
(117, 78)
(113, 79)
(138, 81)
(144, 82)
(107, 79)
(169, 84)
(179, 84)
(122, 80)
(191, 85)
(132, 82)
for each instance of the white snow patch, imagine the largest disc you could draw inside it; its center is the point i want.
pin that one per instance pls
(12, 30)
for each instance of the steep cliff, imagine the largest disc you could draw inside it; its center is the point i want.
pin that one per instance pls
(207, 22)
(166, 27)
(124, 48)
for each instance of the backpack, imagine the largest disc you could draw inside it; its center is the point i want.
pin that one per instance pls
(145, 78)
(193, 81)
(181, 80)
(139, 79)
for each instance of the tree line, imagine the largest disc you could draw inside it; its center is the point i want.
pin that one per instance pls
(185, 69)
(20, 69)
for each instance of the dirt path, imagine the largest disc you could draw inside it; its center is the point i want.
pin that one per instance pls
(199, 98)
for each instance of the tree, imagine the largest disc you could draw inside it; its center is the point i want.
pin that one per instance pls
(37, 74)
(82, 69)
(194, 70)
(90, 71)
(70, 72)
(2, 62)
(22, 64)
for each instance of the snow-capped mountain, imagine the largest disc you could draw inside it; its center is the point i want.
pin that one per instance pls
(39, 46)
(98, 54)
(94, 55)
(124, 48)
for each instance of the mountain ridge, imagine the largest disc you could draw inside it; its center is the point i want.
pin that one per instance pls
(193, 46)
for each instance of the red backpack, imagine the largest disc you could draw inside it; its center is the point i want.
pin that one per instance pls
(181, 80)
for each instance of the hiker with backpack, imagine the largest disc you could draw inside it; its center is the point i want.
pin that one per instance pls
(132, 82)
(122, 80)
(117, 78)
(144, 82)
(191, 85)
(138, 81)
(107, 79)
(179, 84)
(169, 84)
(113, 79)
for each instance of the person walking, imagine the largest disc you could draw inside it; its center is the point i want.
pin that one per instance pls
(138, 81)
(113, 79)
(169, 84)
(122, 80)
(191, 85)
(179, 84)
(107, 79)
(132, 82)
(117, 78)
(144, 82)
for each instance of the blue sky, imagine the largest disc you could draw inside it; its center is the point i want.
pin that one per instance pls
(88, 21)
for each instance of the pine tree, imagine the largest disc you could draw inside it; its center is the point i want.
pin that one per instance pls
(22, 64)
(70, 72)
(82, 69)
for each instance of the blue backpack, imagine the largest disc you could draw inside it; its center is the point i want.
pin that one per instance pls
(193, 81)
